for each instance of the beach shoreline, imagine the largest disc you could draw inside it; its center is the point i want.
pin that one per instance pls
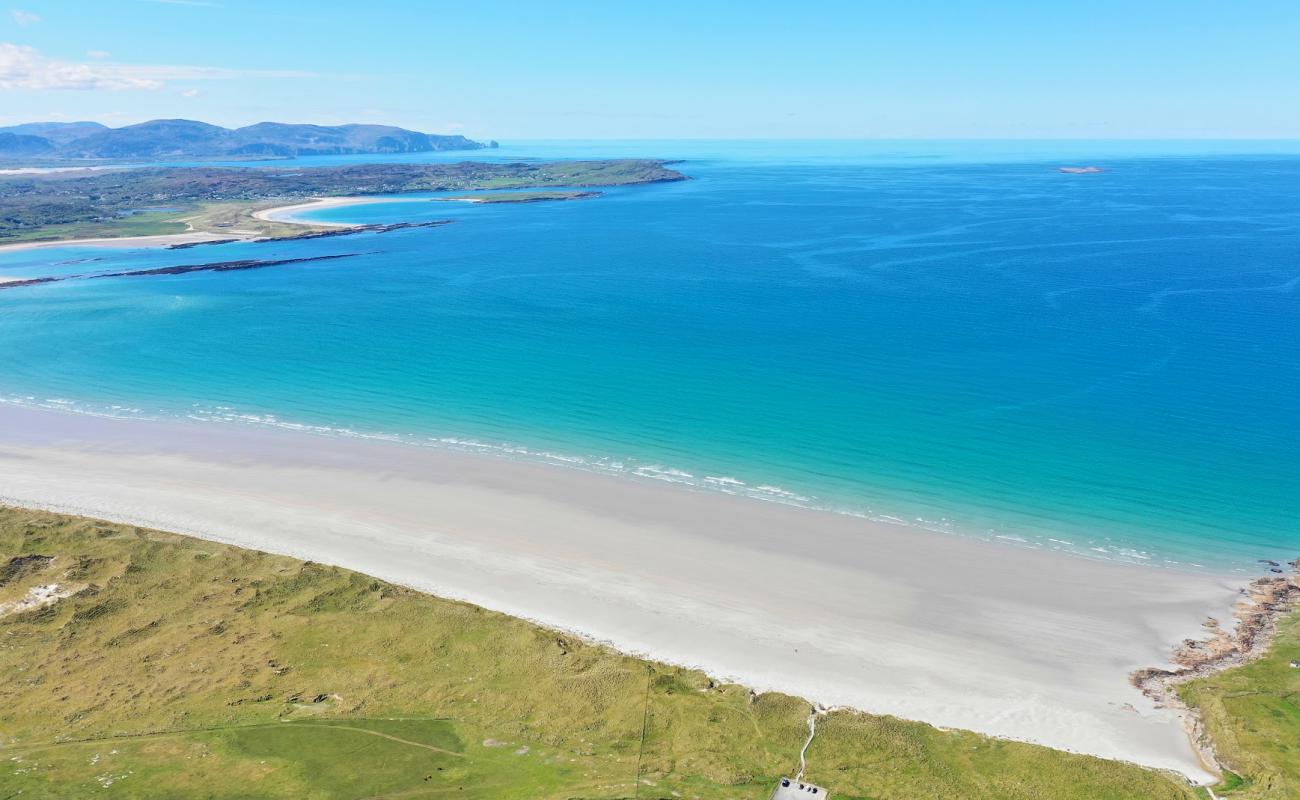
(122, 242)
(286, 214)
(1013, 642)
(292, 213)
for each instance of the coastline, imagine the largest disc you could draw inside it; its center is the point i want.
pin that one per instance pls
(1018, 643)
(1255, 616)
(286, 214)
(290, 213)
(122, 242)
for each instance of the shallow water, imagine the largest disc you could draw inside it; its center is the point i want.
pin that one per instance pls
(963, 338)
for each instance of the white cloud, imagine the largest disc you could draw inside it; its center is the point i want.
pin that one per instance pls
(24, 67)
(191, 93)
(24, 18)
(98, 53)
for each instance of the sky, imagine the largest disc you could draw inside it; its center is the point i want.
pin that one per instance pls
(539, 69)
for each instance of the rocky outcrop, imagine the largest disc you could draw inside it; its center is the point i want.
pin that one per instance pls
(1263, 602)
(181, 269)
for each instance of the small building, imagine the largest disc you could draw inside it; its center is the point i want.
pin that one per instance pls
(792, 789)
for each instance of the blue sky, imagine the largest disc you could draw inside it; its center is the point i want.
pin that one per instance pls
(517, 69)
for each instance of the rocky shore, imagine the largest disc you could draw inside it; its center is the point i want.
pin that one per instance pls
(179, 269)
(347, 231)
(1263, 602)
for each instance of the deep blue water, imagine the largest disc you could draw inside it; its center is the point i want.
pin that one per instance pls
(962, 338)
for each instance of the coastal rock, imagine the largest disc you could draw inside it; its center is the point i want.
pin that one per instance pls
(181, 269)
(355, 229)
(1263, 602)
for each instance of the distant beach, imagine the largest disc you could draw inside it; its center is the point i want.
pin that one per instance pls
(119, 242)
(284, 214)
(293, 213)
(1020, 643)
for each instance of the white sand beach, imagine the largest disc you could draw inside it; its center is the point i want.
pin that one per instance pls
(123, 242)
(1016, 642)
(292, 213)
(286, 214)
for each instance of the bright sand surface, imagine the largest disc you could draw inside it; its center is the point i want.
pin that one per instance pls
(1016, 642)
(160, 240)
(277, 214)
(291, 213)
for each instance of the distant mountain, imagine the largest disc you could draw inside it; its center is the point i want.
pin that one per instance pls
(280, 139)
(16, 145)
(183, 138)
(160, 137)
(56, 132)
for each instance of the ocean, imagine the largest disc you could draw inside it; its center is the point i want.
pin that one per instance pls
(953, 335)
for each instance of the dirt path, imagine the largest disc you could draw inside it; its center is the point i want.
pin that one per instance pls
(165, 734)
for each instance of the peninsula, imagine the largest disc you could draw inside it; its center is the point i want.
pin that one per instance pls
(205, 203)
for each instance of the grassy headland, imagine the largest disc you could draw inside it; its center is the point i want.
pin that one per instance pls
(170, 667)
(1252, 714)
(161, 200)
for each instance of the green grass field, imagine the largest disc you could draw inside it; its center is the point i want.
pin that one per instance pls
(180, 668)
(148, 223)
(217, 218)
(1252, 713)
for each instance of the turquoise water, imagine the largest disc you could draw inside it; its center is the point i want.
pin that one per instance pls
(959, 337)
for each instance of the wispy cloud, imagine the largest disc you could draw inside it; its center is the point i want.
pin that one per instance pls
(24, 18)
(24, 67)
(185, 3)
(191, 93)
(98, 53)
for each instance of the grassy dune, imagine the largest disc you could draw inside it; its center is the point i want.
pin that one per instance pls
(148, 223)
(216, 218)
(1252, 713)
(238, 218)
(178, 668)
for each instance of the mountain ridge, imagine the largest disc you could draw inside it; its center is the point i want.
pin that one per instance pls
(186, 138)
